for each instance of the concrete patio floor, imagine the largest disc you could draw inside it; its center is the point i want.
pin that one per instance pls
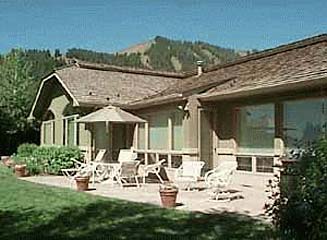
(248, 194)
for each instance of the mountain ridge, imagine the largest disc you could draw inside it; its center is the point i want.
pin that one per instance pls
(161, 54)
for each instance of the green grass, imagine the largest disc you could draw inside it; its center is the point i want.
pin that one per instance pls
(32, 211)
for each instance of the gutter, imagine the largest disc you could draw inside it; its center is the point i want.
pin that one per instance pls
(176, 97)
(301, 85)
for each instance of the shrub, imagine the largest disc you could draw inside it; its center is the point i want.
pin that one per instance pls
(26, 149)
(55, 158)
(47, 159)
(301, 212)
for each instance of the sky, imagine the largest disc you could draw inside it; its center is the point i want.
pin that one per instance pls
(110, 26)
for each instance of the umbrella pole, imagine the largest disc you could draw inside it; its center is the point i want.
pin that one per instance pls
(93, 175)
(107, 126)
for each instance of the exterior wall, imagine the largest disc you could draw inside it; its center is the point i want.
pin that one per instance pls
(58, 106)
(173, 156)
(225, 143)
(191, 130)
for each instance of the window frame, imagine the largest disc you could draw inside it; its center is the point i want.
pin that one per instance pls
(236, 133)
(65, 129)
(52, 131)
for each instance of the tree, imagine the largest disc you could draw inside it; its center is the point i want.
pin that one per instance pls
(16, 94)
(57, 53)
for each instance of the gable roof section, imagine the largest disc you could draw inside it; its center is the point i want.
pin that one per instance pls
(105, 87)
(96, 85)
(41, 91)
(304, 61)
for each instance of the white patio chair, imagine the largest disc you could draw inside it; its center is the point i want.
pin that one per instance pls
(126, 155)
(71, 173)
(91, 168)
(128, 171)
(189, 173)
(218, 179)
(113, 168)
(153, 168)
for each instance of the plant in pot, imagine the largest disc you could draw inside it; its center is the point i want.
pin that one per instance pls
(7, 161)
(168, 194)
(82, 179)
(20, 168)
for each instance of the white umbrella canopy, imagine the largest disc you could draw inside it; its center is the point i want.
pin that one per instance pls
(111, 114)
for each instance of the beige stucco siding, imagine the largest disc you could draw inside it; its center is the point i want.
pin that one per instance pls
(58, 106)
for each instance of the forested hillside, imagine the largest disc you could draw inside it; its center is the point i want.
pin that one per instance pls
(160, 54)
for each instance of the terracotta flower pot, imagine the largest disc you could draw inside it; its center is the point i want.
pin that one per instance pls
(82, 183)
(20, 170)
(7, 161)
(168, 197)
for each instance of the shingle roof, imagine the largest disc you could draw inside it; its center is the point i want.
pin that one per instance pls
(305, 60)
(113, 86)
(299, 65)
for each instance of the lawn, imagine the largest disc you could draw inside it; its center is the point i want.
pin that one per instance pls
(32, 211)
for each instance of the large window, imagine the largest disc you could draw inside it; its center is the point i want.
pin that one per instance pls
(256, 128)
(158, 131)
(304, 122)
(48, 132)
(177, 122)
(141, 136)
(70, 131)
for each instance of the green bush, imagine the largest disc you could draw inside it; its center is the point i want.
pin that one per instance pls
(301, 213)
(26, 149)
(47, 159)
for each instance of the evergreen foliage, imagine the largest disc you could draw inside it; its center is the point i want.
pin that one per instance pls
(128, 60)
(160, 54)
(20, 75)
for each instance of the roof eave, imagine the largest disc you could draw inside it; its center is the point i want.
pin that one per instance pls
(155, 102)
(264, 90)
(75, 102)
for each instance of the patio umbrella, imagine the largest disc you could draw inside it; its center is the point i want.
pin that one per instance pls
(111, 114)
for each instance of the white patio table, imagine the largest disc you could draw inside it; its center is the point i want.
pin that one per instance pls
(111, 170)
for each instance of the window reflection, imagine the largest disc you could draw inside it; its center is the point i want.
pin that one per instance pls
(304, 122)
(256, 128)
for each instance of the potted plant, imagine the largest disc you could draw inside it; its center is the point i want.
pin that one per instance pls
(7, 161)
(168, 194)
(82, 181)
(20, 169)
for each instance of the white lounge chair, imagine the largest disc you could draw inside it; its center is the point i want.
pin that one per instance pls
(71, 173)
(91, 168)
(155, 169)
(113, 168)
(219, 178)
(189, 173)
(128, 171)
(126, 155)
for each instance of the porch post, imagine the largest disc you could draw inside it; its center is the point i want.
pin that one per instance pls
(190, 129)
(170, 140)
(146, 142)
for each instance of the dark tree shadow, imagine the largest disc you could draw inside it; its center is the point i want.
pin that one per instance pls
(104, 219)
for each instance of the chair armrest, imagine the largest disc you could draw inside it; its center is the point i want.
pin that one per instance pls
(154, 166)
(208, 173)
(79, 163)
(179, 171)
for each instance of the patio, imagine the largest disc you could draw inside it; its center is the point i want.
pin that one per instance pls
(248, 194)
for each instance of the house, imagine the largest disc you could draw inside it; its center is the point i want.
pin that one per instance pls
(251, 110)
